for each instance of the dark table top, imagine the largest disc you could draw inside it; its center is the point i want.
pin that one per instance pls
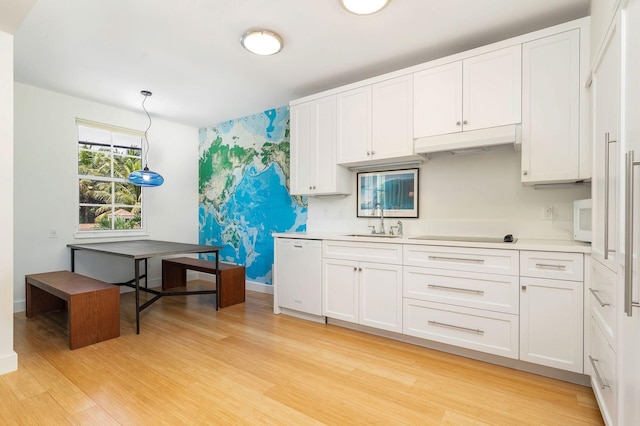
(143, 249)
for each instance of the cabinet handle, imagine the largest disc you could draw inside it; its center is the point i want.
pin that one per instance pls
(602, 384)
(465, 122)
(297, 245)
(368, 153)
(463, 290)
(629, 304)
(524, 172)
(359, 269)
(607, 143)
(456, 327)
(355, 269)
(373, 153)
(458, 123)
(550, 266)
(523, 288)
(595, 294)
(455, 259)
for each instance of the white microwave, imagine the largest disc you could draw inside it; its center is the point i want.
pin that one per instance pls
(582, 220)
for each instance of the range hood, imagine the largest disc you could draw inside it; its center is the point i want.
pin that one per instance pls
(469, 141)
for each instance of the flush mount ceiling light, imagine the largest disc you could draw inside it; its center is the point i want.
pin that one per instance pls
(364, 7)
(262, 42)
(146, 177)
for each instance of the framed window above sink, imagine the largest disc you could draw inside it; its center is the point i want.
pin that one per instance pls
(395, 191)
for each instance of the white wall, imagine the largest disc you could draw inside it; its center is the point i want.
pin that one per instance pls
(8, 358)
(474, 194)
(45, 179)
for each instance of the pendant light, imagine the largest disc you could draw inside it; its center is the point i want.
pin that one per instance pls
(146, 177)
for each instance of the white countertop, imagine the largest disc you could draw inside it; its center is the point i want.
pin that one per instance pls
(520, 244)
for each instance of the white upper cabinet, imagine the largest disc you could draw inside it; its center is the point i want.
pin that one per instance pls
(551, 109)
(480, 92)
(313, 150)
(375, 122)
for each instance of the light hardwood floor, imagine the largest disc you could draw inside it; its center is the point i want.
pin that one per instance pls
(244, 365)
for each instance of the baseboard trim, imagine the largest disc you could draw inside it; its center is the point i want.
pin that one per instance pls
(8, 362)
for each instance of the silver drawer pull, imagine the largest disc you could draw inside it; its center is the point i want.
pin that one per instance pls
(550, 266)
(602, 384)
(595, 294)
(463, 290)
(297, 246)
(456, 327)
(456, 259)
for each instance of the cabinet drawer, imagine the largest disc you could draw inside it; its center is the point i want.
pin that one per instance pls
(367, 252)
(462, 259)
(546, 264)
(602, 293)
(602, 361)
(491, 332)
(482, 291)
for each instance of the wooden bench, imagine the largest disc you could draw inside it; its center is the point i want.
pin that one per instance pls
(94, 306)
(230, 289)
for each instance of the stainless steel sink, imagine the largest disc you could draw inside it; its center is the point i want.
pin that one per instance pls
(374, 235)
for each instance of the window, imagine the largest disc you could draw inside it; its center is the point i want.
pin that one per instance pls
(107, 203)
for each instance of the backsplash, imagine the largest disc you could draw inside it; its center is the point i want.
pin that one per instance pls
(475, 194)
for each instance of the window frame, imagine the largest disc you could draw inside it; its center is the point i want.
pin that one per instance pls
(108, 233)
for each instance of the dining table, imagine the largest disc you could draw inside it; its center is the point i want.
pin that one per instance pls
(142, 250)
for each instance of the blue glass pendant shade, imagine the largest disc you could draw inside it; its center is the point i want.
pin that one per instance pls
(146, 177)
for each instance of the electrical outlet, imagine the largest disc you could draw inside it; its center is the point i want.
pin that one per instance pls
(547, 213)
(53, 233)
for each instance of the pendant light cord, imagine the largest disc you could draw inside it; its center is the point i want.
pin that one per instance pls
(146, 94)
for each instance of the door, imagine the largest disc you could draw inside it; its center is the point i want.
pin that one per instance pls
(381, 296)
(606, 125)
(340, 299)
(629, 325)
(551, 135)
(392, 118)
(354, 125)
(437, 101)
(551, 318)
(491, 89)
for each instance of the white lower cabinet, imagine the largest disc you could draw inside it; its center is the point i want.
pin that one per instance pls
(603, 373)
(491, 332)
(552, 309)
(551, 331)
(365, 293)
(518, 304)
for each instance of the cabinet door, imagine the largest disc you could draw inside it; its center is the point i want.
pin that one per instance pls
(340, 287)
(551, 108)
(437, 102)
(381, 296)
(313, 150)
(303, 142)
(551, 318)
(354, 125)
(606, 130)
(298, 278)
(392, 118)
(491, 89)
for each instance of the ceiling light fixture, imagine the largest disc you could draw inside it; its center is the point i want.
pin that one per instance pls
(262, 42)
(364, 7)
(146, 177)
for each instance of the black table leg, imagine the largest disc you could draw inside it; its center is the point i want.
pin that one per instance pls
(73, 260)
(217, 279)
(137, 262)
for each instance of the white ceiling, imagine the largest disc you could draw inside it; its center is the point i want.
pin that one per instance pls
(188, 53)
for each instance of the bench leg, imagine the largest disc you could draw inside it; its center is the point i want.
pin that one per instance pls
(94, 317)
(173, 276)
(39, 301)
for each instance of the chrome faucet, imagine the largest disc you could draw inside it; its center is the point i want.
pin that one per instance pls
(375, 207)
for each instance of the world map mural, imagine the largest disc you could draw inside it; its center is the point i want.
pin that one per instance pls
(244, 190)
